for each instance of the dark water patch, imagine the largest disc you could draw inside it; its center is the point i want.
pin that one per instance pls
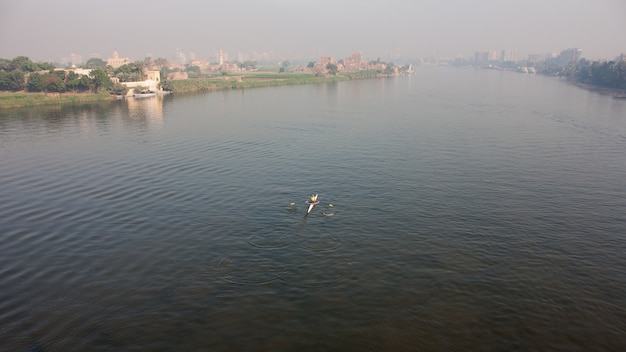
(311, 269)
(319, 243)
(270, 241)
(249, 270)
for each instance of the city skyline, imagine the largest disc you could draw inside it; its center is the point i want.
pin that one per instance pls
(308, 30)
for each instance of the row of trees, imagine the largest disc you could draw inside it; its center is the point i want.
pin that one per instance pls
(23, 64)
(23, 74)
(55, 81)
(608, 74)
(601, 73)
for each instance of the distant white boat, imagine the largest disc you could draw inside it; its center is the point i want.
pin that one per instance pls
(144, 94)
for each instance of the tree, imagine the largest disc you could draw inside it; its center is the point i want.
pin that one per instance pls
(160, 62)
(72, 82)
(118, 89)
(390, 68)
(166, 85)
(132, 72)
(311, 64)
(194, 69)
(23, 63)
(5, 65)
(96, 63)
(46, 66)
(84, 83)
(4, 80)
(52, 83)
(620, 74)
(332, 68)
(15, 81)
(99, 79)
(148, 63)
(164, 72)
(247, 65)
(35, 82)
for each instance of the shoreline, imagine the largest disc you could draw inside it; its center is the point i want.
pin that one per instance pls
(261, 80)
(613, 92)
(9, 100)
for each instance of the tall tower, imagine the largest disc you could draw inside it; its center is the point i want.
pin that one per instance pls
(221, 57)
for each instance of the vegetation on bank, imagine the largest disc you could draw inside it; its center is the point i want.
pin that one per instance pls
(206, 83)
(607, 74)
(261, 79)
(19, 99)
(21, 74)
(610, 75)
(24, 82)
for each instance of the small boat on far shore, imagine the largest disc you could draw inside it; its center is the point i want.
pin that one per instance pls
(144, 94)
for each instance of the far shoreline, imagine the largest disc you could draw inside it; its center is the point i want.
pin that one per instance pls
(9, 100)
(613, 92)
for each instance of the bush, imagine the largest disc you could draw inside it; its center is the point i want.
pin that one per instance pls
(118, 89)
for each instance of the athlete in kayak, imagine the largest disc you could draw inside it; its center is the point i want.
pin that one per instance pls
(312, 202)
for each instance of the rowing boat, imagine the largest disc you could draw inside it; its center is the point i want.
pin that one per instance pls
(312, 203)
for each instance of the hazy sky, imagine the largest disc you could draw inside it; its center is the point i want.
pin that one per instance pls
(46, 30)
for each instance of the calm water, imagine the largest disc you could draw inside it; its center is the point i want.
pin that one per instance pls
(472, 210)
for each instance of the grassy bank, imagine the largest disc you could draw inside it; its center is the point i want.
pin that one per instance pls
(258, 80)
(204, 84)
(14, 100)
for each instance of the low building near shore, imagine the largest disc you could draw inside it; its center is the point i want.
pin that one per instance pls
(151, 83)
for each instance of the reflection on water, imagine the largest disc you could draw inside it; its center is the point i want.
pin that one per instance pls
(147, 110)
(143, 112)
(471, 210)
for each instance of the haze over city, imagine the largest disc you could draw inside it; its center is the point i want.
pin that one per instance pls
(49, 30)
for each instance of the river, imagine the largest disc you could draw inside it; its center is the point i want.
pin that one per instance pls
(459, 210)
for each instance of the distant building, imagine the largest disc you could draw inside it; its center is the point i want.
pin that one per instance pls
(180, 57)
(117, 61)
(230, 67)
(510, 55)
(76, 59)
(484, 57)
(570, 56)
(354, 63)
(153, 78)
(325, 60)
(204, 65)
(537, 57)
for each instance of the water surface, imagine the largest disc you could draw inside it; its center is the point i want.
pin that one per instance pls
(471, 210)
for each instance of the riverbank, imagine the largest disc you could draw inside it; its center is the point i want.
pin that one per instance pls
(261, 79)
(613, 92)
(203, 84)
(21, 99)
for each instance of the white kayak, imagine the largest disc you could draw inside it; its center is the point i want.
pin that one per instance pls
(312, 203)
